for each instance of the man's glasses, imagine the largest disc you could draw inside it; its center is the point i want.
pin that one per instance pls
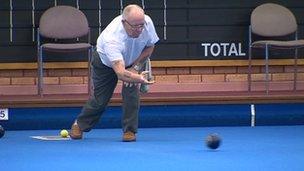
(135, 27)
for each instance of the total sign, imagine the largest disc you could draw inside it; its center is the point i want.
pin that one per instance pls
(223, 49)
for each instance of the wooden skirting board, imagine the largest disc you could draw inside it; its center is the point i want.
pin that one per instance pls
(156, 64)
(157, 99)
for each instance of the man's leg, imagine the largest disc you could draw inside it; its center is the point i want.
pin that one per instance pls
(130, 106)
(104, 82)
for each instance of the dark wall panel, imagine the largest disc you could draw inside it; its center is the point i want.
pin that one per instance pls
(23, 35)
(110, 4)
(22, 4)
(44, 4)
(108, 15)
(177, 4)
(156, 15)
(37, 17)
(5, 19)
(175, 34)
(89, 5)
(177, 17)
(219, 17)
(299, 14)
(240, 4)
(5, 5)
(218, 33)
(5, 36)
(17, 53)
(154, 4)
(22, 19)
(182, 26)
(159, 32)
(95, 34)
(67, 2)
(126, 2)
(93, 17)
(167, 51)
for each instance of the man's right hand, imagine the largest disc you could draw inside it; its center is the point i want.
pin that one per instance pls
(145, 80)
(145, 75)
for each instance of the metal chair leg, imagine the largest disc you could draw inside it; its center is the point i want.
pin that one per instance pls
(249, 69)
(267, 68)
(295, 74)
(40, 73)
(249, 59)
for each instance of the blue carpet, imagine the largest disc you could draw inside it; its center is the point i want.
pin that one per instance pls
(162, 149)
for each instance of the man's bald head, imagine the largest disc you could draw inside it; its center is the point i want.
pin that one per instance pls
(133, 12)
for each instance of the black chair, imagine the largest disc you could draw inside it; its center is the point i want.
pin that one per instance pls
(272, 21)
(62, 22)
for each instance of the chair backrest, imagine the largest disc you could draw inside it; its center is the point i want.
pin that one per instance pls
(272, 20)
(63, 22)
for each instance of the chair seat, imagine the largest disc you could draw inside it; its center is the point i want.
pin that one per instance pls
(279, 44)
(71, 47)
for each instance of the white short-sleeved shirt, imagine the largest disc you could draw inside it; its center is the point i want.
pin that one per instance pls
(115, 44)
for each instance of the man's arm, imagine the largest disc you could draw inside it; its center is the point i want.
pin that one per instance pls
(128, 76)
(142, 57)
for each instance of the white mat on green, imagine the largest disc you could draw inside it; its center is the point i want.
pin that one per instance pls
(51, 138)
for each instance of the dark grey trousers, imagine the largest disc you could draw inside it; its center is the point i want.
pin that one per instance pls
(104, 82)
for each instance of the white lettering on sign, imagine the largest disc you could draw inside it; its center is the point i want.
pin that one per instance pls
(224, 49)
(215, 51)
(4, 114)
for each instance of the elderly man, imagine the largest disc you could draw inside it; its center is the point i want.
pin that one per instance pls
(122, 48)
